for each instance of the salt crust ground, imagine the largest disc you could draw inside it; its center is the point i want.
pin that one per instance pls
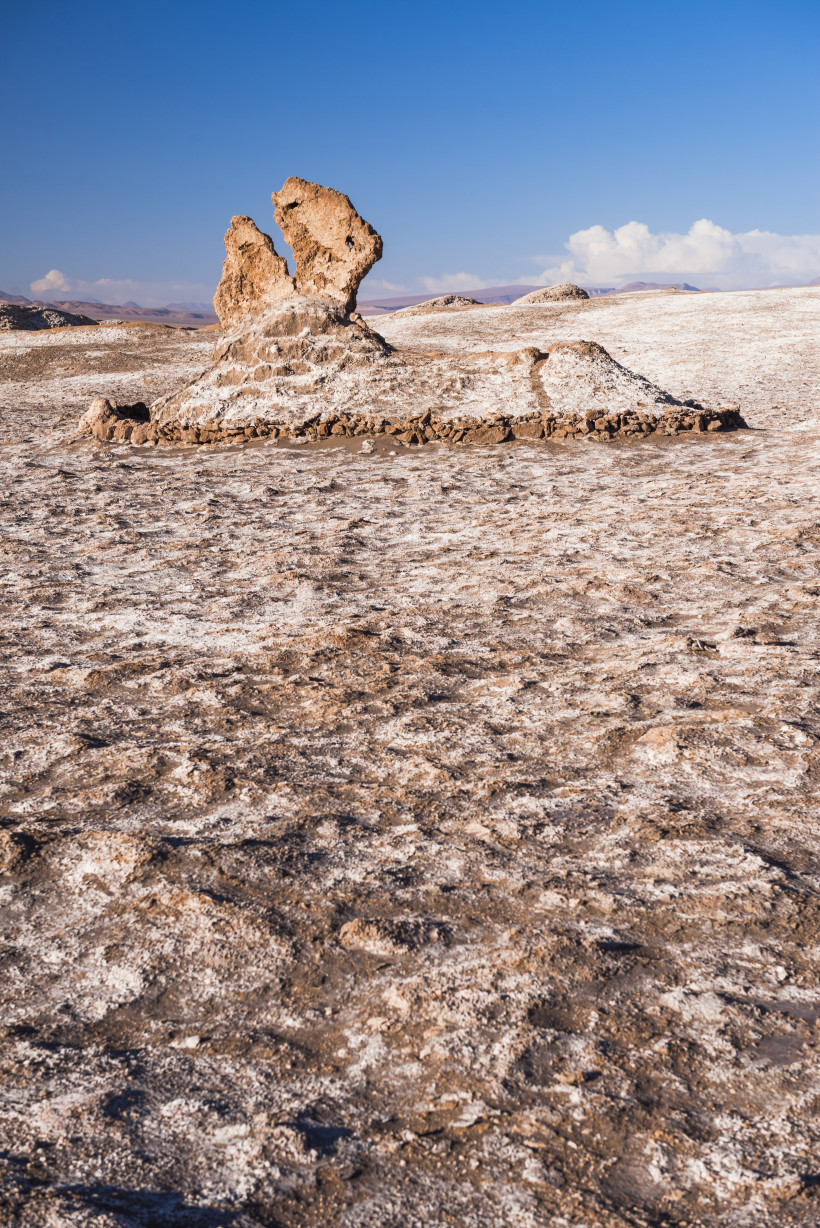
(759, 347)
(304, 368)
(416, 839)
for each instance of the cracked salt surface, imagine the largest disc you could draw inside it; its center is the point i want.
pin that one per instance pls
(555, 704)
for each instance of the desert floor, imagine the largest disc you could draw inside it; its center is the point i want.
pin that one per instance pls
(414, 839)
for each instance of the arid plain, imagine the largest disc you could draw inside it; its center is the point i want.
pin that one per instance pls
(402, 836)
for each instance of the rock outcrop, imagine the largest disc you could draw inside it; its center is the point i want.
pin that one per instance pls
(443, 303)
(253, 276)
(17, 316)
(107, 421)
(333, 247)
(552, 294)
(296, 360)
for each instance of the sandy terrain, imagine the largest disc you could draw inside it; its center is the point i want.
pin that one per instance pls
(415, 837)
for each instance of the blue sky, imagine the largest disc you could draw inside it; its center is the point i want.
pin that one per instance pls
(479, 139)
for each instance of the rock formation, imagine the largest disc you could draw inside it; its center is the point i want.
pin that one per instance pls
(333, 247)
(444, 302)
(17, 316)
(253, 275)
(296, 360)
(106, 421)
(552, 294)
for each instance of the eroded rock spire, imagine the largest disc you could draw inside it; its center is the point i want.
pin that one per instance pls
(254, 275)
(332, 246)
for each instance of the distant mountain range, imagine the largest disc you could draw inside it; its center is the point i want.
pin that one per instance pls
(178, 314)
(633, 286)
(508, 294)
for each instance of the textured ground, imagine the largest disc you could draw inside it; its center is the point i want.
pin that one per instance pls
(416, 839)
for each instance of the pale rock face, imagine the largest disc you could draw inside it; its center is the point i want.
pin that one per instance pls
(581, 378)
(333, 247)
(253, 274)
(299, 361)
(552, 294)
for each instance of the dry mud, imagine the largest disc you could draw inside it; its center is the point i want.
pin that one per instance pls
(414, 839)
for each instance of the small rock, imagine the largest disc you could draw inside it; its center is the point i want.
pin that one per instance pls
(487, 434)
(528, 430)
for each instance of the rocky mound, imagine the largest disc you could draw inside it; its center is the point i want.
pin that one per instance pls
(439, 304)
(552, 294)
(16, 316)
(296, 359)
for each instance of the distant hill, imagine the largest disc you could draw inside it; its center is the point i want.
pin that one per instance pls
(495, 294)
(175, 314)
(154, 315)
(29, 317)
(508, 294)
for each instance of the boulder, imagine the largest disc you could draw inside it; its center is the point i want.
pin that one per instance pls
(106, 421)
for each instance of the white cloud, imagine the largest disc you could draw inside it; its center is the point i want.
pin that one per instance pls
(378, 283)
(707, 253)
(453, 281)
(53, 280)
(116, 291)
